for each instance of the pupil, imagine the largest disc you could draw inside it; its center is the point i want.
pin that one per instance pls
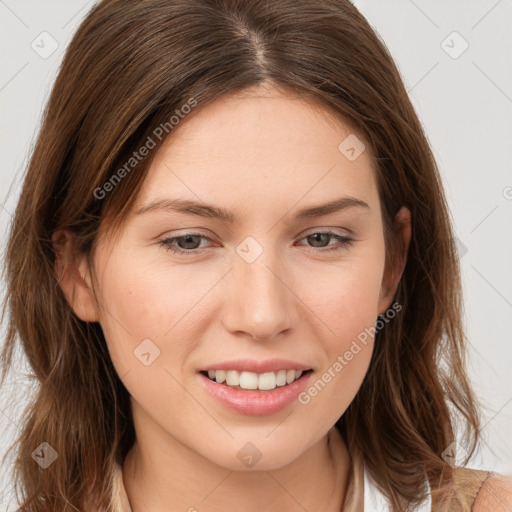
(187, 239)
(316, 235)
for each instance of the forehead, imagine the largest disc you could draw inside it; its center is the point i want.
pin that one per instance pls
(263, 146)
(259, 119)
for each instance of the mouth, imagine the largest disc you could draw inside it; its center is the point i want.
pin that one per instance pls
(250, 381)
(256, 394)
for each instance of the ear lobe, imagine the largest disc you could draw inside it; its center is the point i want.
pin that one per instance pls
(394, 268)
(73, 276)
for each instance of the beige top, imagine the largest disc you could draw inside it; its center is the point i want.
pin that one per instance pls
(373, 498)
(120, 501)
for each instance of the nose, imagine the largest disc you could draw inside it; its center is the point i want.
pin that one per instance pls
(261, 304)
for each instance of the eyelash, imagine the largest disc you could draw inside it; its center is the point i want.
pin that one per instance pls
(343, 239)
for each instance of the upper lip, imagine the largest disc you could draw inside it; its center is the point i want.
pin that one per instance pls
(252, 365)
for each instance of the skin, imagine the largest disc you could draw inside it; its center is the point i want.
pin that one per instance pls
(262, 155)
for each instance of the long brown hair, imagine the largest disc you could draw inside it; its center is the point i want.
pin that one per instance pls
(130, 67)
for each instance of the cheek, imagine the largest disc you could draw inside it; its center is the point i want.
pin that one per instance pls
(140, 307)
(346, 301)
(345, 295)
(151, 300)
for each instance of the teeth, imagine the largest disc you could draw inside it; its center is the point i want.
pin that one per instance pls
(281, 378)
(232, 378)
(266, 381)
(249, 380)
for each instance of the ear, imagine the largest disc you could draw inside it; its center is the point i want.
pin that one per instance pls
(72, 273)
(395, 267)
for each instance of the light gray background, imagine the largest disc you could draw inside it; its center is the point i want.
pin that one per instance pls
(464, 102)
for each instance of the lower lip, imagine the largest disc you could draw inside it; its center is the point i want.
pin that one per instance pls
(256, 403)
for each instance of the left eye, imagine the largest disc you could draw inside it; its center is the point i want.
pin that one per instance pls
(188, 240)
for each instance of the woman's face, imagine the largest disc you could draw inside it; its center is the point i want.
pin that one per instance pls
(255, 288)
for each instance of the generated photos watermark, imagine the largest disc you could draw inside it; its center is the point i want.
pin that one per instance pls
(137, 156)
(344, 359)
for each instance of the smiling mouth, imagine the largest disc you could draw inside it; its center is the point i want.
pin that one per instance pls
(249, 381)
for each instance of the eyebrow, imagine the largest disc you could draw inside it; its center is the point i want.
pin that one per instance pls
(205, 210)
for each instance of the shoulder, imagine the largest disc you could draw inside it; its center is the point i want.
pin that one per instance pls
(495, 495)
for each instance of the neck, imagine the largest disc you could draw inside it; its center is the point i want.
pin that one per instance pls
(169, 477)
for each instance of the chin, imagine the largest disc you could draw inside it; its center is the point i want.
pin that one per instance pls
(257, 454)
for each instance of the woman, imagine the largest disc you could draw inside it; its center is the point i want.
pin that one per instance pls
(233, 273)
